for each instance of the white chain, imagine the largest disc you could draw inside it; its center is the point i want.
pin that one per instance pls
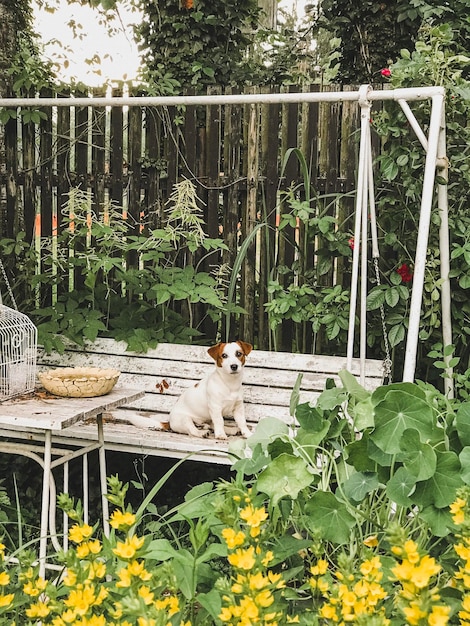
(387, 363)
(7, 282)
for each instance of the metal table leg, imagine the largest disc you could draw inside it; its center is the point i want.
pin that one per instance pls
(104, 487)
(46, 503)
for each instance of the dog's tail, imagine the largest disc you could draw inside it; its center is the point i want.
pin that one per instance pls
(144, 422)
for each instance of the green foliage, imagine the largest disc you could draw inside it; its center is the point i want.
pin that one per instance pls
(366, 36)
(438, 59)
(196, 45)
(140, 289)
(354, 470)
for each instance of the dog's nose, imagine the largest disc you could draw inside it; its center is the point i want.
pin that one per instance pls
(234, 367)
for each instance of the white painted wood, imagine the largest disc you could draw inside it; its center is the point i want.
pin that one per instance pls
(165, 371)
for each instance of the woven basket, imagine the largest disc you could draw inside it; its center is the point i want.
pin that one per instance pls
(79, 382)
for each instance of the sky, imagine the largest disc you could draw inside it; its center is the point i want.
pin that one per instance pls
(118, 55)
(119, 59)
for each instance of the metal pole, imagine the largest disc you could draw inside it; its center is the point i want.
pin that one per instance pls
(444, 252)
(414, 93)
(361, 176)
(46, 483)
(422, 241)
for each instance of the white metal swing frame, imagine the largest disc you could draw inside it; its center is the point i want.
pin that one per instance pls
(434, 145)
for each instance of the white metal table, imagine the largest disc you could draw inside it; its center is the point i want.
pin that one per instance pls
(20, 416)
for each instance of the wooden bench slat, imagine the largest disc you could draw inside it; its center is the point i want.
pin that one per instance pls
(268, 382)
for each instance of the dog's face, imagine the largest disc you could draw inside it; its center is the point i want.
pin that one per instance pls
(230, 356)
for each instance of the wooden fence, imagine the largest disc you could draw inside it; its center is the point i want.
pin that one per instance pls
(233, 154)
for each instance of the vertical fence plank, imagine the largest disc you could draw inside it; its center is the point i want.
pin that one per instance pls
(29, 168)
(116, 160)
(45, 165)
(269, 171)
(232, 167)
(135, 168)
(152, 166)
(63, 151)
(98, 154)
(11, 220)
(286, 245)
(250, 218)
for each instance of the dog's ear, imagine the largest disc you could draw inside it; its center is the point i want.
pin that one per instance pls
(246, 347)
(214, 351)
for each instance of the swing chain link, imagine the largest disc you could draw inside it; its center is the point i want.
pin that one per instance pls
(387, 362)
(7, 283)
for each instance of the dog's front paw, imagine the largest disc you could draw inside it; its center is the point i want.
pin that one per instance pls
(246, 432)
(220, 435)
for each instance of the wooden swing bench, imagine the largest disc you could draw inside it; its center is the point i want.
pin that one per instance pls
(164, 372)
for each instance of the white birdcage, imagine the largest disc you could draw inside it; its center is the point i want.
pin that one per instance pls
(18, 348)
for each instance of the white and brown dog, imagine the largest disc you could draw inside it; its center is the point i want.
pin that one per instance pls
(216, 396)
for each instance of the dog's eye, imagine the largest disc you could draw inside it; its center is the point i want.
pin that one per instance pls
(238, 354)
(224, 355)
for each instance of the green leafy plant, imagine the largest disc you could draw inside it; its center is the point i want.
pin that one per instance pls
(140, 288)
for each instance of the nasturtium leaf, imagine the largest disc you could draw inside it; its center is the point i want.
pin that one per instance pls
(309, 442)
(462, 423)
(410, 388)
(363, 414)
(419, 458)
(439, 520)
(329, 517)
(285, 476)
(401, 486)
(267, 429)
(440, 489)
(464, 458)
(357, 455)
(350, 383)
(359, 485)
(396, 413)
(310, 418)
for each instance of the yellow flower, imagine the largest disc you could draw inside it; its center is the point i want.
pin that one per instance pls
(328, 612)
(253, 517)
(80, 599)
(146, 594)
(71, 579)
(257, 581)
(6, 600)
(423, 572)
(143, 621)
(264, 598)
(128, 548)
(439, 616)
(4, 579)
(69, 616)
(119, 519)
(243, 559)
(320, 568)
(97, 570)
(138, 570)
(232, 538)
(413, 614)
(40, 609)
(34, 589)
(457, 512)
(268, 557)
(226, 614)
(79, 533)
(371, 542)
(125, 578)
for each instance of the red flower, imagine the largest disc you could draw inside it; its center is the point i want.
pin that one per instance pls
(351, 243)
(386, 73)
(405, 273)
